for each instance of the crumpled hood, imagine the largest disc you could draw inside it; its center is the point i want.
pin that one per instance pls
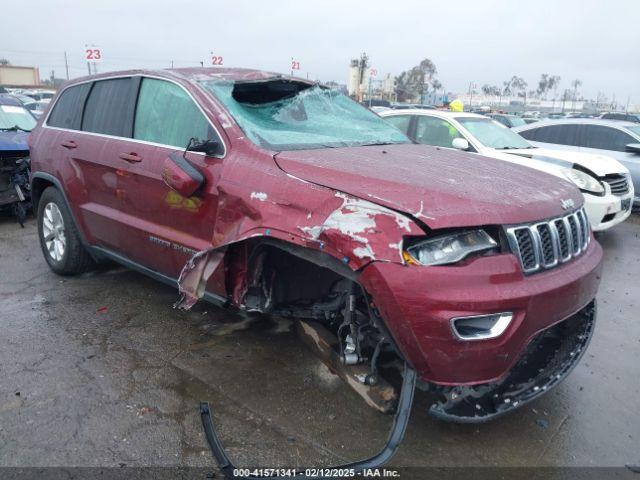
(601, 165)
(13, 141)
(441, 187)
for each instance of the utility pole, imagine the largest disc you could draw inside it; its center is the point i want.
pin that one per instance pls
(66, 65)
(471, 87)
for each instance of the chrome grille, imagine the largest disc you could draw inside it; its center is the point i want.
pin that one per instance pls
(544, 245)
(619, 183)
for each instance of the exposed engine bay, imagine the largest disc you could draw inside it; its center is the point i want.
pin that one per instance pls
(15, 189)
(334, 317)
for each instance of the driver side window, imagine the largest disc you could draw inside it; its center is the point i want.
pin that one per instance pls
(166, 114)
(436, 131)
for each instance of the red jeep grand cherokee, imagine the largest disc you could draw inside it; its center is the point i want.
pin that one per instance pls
(282, 196)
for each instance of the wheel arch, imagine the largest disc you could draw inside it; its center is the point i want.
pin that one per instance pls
(40, 181)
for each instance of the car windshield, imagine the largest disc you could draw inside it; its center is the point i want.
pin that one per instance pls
(516, 121)
(493, 134)
(634, 129)
(287, 115)
(14, 117)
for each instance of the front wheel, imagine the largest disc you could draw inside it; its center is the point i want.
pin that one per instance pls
(59, 236)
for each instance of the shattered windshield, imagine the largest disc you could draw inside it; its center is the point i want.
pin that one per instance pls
(280, 115)
(14, 117)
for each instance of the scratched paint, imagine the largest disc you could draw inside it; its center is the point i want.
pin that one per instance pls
(261, 196)
(357, 220)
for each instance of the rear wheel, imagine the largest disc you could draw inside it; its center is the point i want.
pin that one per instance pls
(59, 237)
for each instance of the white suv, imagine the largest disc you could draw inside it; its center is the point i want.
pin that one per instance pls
(604, 182)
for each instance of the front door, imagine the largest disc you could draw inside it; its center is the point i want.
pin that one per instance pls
(166, 229)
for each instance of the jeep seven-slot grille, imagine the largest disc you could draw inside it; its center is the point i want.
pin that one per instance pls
(619, 183)
(545, 245)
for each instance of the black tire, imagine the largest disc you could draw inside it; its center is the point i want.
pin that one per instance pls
(75, 258)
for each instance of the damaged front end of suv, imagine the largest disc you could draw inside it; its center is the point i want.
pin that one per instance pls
(399, 263)
(481, 282)
(15, 124)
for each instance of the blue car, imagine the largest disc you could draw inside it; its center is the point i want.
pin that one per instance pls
(15, 124)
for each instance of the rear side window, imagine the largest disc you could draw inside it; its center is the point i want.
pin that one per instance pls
(501, 119)
(67, 112)
(401, 122)
(166, 114)
(605, 138)
(531, 134)
(558, 134)
(614, 116)
(109, 108)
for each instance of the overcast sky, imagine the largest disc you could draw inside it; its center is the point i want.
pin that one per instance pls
(484, 41)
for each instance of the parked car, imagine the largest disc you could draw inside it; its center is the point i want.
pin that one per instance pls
(605, 183)
(24, 99)
(40, 94)
(15, 124)
(557, 115)
(277, 195)
(507, 120)
(614, 138)
(37, 107)
(405, 106)
(625, 117)
(580, 115)
(529, 120)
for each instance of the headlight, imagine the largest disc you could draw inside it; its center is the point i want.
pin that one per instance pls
(449, 248)
(583, 181)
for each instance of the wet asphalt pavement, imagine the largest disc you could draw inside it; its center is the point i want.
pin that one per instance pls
(99, 370)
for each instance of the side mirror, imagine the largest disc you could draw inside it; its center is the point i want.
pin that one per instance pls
(460, 144)
(208, 147)
(633, 148)
(180, 175)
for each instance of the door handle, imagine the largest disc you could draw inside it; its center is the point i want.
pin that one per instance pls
(69, 144)
(130, 157)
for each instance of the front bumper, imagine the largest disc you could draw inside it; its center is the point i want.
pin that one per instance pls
(417, 304)
(606, 211)
(547, 360)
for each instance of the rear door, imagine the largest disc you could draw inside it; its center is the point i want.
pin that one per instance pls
(163, 228)
(106, 122)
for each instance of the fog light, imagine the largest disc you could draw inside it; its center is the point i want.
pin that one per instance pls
(481, 327)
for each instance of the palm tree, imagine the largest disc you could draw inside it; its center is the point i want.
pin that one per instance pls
(575, 84)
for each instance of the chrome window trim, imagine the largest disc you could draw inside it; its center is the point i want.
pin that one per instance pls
(45, 123)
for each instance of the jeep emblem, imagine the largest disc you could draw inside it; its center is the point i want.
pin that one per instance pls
(567, 203)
